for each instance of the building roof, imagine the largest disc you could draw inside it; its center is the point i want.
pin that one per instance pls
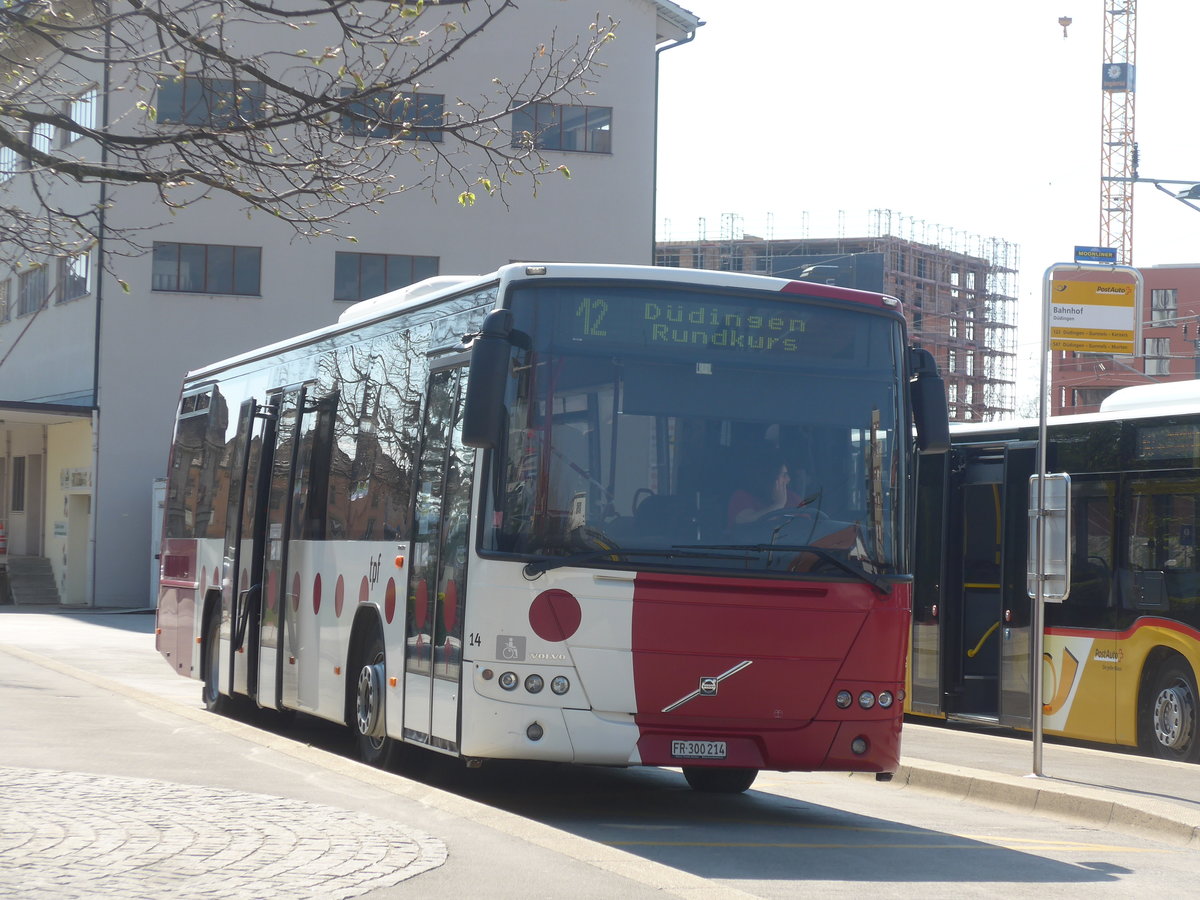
(675, 22)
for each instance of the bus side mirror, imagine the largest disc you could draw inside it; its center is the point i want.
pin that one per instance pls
(487, 377)
(930, 413)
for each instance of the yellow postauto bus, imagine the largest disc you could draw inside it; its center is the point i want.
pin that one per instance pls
(1122, 652)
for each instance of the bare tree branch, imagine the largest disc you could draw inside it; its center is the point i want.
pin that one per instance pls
(305, 111)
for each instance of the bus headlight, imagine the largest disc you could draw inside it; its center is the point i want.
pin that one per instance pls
(560, 684)
(866, 699)
(508, 681)
(843, 699)
(885, 699)
(534, 683)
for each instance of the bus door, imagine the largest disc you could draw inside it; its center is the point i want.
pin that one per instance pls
(243, 568)
(437, 575)
(265, 592)
(991, 665)
(1016, 646)
(926, 661)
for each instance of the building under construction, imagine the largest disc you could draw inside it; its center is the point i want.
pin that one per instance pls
(959, 292)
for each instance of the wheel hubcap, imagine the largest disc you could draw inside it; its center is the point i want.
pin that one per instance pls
(370, 695)
(1175, 717)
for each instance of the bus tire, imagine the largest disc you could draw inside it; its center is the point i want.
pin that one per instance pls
(375, 748)
(214, 700)
(1170, 728)
(719, 781)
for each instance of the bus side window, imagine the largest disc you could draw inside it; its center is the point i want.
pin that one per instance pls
(1162, 544)
(1092, 551)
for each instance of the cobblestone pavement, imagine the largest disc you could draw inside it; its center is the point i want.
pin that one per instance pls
(71, 835)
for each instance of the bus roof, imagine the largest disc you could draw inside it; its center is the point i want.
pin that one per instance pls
(431, 289)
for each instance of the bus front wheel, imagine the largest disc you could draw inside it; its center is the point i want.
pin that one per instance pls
(1170, 714)
(374, 746)
(719, 781)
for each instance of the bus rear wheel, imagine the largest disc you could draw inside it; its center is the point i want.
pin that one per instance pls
(214, 700)
(1170, 713)
(719, 781)
(374, 746)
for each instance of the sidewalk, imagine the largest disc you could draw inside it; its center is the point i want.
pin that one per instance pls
(1113, 788)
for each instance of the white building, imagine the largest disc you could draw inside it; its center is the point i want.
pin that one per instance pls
(91, 363)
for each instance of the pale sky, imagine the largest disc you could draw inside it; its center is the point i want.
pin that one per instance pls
(974, 115)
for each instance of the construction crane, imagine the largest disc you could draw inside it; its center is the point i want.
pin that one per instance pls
(1118, 147)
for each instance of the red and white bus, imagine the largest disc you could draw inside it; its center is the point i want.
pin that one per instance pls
(491, 516)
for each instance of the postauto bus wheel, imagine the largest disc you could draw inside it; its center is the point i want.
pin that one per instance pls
(374, 746)
(719, 781)
(1169, 715)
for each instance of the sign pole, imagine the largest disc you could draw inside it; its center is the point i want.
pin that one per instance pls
(1087, 316)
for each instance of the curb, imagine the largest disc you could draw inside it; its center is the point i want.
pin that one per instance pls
(1055, 798)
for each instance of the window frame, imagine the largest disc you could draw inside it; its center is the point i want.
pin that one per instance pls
(180, 286)
(66, 276)
(26, 290)
(360, 122)
(548, 126)
(193, 104)
(342, 259)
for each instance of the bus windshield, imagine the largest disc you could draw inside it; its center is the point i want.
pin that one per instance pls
(673, 427)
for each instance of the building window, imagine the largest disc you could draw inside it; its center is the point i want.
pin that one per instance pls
(1091, 396)
(82, 111)
(74, 277)
(386, 114)
(667, 259)
(1163, 304)
(1156, 351)
(551, 126)
(969, 324)
(10, 163)
(192, 100)
(206, 268)
(357, 276)
(951, 361)
(31, 291)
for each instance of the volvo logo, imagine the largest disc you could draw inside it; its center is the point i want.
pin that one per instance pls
(708, 686)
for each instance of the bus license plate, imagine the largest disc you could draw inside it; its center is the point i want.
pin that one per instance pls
(698, 749)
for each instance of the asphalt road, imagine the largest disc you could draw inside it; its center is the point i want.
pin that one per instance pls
(114, 782)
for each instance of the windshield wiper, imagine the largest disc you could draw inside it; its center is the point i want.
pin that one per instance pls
(879, 584)
(536, 567)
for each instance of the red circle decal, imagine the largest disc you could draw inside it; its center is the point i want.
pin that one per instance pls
(317, 593)
(296, 591)
(555, 615)
(339, 596)
(364, 590)
(389, 600)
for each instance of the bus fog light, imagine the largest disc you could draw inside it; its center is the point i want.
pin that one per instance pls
(560, 684)
(866, 699)
(534, 732)
(859, 746)
(843, 699)
(508, 681)
(534, 684)
(885, 699)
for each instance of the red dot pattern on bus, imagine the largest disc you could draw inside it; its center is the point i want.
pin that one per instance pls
(296, 592)
(389, 600)
(554, 615)
(339, 596)
(364, 590)
(317, 593)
